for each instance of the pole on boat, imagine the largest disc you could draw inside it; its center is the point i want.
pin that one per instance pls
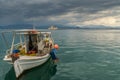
(25, 43)
(12, 46)
(20, 39)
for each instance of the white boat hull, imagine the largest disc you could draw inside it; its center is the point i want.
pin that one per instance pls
(28, 62)
(32, 49)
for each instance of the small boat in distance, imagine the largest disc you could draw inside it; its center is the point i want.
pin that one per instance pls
(31, 50)
(52, 28)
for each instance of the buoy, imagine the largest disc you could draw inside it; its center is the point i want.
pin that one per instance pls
(56, 46)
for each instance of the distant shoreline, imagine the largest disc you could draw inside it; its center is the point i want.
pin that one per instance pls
(67, 28)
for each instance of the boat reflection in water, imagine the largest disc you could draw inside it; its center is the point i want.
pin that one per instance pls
(43, 72)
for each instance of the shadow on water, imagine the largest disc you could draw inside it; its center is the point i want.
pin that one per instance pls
(44, 72)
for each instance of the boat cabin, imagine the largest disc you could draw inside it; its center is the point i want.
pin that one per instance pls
(31, 41)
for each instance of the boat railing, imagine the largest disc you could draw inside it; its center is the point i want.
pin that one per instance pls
(15, 47)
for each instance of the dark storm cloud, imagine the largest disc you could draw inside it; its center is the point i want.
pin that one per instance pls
(19, 10)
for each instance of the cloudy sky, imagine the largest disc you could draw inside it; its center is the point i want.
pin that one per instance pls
(65, 12)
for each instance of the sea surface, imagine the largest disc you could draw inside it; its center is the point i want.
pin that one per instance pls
(83, 55)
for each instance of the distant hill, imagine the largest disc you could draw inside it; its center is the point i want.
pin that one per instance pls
(98, 27)
(17, 26)
(30, 26)
(22, 26)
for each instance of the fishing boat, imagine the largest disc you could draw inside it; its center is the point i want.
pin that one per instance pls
(31, 50)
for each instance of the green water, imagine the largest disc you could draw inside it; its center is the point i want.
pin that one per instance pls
(83, 54)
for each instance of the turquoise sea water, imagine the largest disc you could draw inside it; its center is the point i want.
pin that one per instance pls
(83, 55)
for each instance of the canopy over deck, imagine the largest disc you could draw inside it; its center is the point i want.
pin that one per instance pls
(27, 31)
